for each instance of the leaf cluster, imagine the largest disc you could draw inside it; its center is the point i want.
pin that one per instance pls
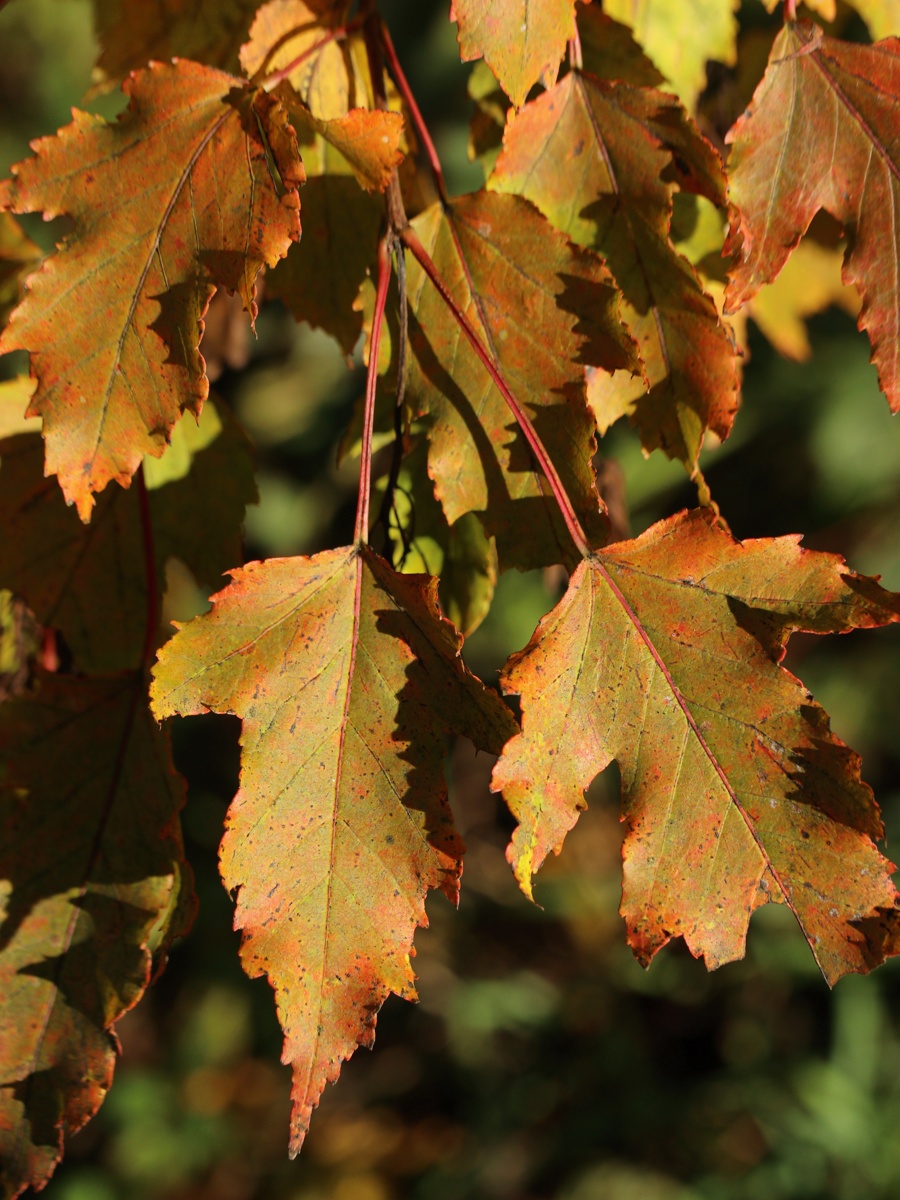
(603, 271)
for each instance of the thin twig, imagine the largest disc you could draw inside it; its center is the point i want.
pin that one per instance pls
(336, 35)
(418, 120)
(297, 31)
(524, 421)
(361, 531)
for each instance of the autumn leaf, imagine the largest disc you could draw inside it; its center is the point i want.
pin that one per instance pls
(461, 554)
(133, 33)
(320, 279)
(660, 26)
(15, 396)
(522, 41)
(346, 677)
(882, 16)
(90, 581)
(95, 888)
(615, 194)
(331, 75)
(609, 49)
(810, 282)
(196, 210)
(18, 255)
(664, 655)
(822, 132)
(368, 140)
(522, 283)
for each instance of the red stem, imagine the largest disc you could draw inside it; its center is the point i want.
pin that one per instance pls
(335, 35)
(361, 531)
(150, 571)
(411, 241)
(790, 10)
(418, 120)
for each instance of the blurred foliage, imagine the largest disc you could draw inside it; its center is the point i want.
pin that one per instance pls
(541, 1061)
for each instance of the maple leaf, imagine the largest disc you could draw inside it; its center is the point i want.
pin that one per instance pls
(90, 581)
(822, 132)
(320, 279)
(660, 25)
(461, 554)
(609, 49)
(346, 677)
(133, 33)
(18, 254)
(882, 16)
(664, 655)
(95, 888)
(15, 396)
(522, 283)
(369, 141)
(810, 282)
(196, 209)
(331, 76)
(522, 41)
(615, 195)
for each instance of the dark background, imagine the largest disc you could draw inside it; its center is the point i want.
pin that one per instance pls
(541, 1061)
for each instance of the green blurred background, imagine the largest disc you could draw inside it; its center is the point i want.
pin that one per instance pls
(541, 1061)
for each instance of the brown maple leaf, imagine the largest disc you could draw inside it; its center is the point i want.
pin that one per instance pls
(173, 200)
(96, 890)
(346, 677)
(822, 132)
(664, 654)
(614, 193)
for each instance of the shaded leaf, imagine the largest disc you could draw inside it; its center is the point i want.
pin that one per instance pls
(810, 282)
(341, 824)
(196, 209)
(90, 582)
(19, 645)
(461, 554)
(545, 308)
(822, 132)
(609, 50)
(95, 889)
(597, 158)
(15, 397)
(18, 254)
(133, 33)
(660, 26)
(522, 41)
(488, 119)
(664, 655)
(320, 279)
